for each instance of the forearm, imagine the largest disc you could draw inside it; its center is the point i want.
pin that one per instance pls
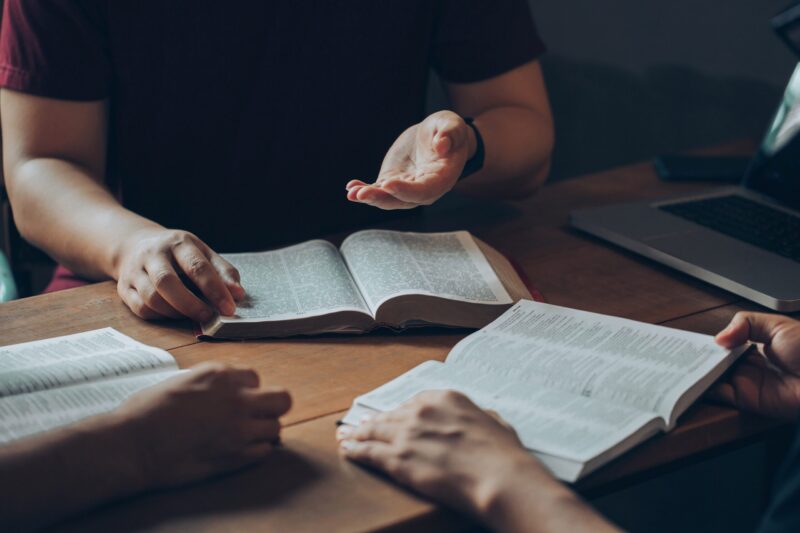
(52, 476)
(60, 208)
(518, 143)
(529, 500)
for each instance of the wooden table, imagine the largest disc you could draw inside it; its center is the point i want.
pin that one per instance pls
(305, 486)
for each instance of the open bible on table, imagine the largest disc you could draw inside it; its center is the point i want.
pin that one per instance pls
(54, 382)
(376, 278)
(579, 388)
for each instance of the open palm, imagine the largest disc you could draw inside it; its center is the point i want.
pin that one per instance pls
(422, 165)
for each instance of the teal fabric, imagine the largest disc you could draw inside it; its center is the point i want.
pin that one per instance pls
(8, 289)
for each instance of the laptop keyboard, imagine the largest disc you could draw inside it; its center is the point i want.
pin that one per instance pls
(746, 220)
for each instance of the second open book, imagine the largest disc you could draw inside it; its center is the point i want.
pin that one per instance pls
(579, 388)
(376, 278)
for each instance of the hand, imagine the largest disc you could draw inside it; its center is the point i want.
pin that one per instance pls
(765, 382)
(152, 263)
(209, 421)
(424, 164)
(445, 447)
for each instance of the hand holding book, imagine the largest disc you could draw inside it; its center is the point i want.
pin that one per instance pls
(766, 382)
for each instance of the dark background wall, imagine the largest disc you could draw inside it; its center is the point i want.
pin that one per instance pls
(632, 78)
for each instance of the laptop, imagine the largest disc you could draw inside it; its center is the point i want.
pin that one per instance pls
(744, 239)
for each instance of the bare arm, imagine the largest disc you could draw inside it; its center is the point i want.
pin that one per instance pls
(55, 166)
(59, 147)
(209, 421)
(511, 112)
(49, 477)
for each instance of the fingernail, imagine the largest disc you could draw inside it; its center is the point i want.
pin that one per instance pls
(343, 432)
(364, 419)
(347, 445)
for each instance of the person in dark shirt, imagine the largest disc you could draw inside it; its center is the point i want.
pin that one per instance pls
(143, 137)
(445, 447)
(210, 420)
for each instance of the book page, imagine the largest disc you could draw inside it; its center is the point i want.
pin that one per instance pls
(61, 361)
(643, 366)
(308, 279)
(386, 264)
(547, 420)
(27, 414)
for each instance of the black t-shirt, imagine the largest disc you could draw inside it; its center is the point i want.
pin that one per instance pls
(783, 511)
(243, 120)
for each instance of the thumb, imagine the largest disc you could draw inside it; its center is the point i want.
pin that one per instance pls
(449, 135)
(745, 326)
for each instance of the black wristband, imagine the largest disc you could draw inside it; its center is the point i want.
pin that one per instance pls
(475, 164)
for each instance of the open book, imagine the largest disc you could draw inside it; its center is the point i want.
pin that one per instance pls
(579, 388)
(50, 383)
(377, 278)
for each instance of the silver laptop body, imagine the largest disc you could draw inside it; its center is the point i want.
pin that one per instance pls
(749, 270)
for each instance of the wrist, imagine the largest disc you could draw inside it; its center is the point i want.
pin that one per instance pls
(122, 246)
(110, 439)
(472, 141)
(521, 491)
(476, 150)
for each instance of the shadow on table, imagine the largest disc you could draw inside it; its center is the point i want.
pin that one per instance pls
(269, 485)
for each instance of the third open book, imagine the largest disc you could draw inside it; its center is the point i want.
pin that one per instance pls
(579, 388)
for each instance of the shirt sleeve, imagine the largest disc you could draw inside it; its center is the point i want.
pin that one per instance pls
(479, 39)
(55, 48)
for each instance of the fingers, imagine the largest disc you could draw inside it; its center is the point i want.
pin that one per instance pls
(230, 275)
(150, 297)
(135, 303)
(262, 430)
(355, 183)
(500, 420)
(754, 327)
(205, 276)
(226, 376)
(167, 283)
(723, 393)
(372, 453)
(268, 403)
(377, 197)
(419, 192)
(243, 377)
(256, 452)
(743, 387)
(377, 430)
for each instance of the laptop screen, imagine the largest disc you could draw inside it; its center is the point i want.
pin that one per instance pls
(775, 170)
